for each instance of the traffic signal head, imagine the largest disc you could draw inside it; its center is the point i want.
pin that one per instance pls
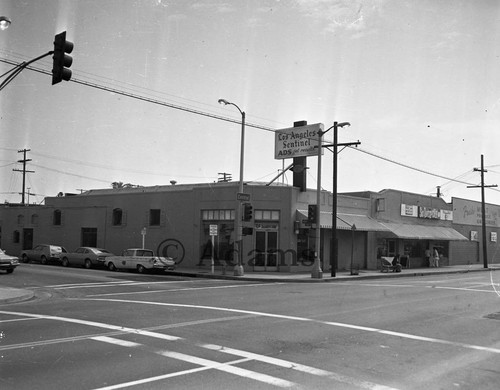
(312, 213)
(61, 60)
(247, 212)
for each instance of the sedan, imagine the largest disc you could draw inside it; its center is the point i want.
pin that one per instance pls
(8, 263)
(85, 256)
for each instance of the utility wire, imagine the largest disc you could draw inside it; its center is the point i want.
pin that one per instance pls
(146, 99)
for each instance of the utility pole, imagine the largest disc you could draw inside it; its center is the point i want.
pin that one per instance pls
(24, 171)
(483, 210)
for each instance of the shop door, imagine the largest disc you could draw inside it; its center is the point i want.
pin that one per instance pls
(266, 249)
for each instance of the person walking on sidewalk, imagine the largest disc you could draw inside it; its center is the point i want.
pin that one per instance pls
(428, 257)
(435, 258)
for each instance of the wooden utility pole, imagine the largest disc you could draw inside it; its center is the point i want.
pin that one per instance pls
(483, 210)
(24, 171)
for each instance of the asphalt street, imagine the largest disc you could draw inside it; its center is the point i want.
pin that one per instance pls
(93, 329)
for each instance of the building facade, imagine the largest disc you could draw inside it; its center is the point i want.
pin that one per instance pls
(182, 221)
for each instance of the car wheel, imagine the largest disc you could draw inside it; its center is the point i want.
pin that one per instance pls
(88, 264)
(9, 271)
(43, 260)
(141, 269)
(65, 262)
(25, 259)
(111, 267)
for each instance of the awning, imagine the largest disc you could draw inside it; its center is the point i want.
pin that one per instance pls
(346, 221)
(419, 232)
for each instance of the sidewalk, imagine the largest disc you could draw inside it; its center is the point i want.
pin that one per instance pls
(340, 276)
(13, 295)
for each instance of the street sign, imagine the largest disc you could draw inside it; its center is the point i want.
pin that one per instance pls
(213, 230)
(242, 196)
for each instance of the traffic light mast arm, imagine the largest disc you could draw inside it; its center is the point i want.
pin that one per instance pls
(19, 68)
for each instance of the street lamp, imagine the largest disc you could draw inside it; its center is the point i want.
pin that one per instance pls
(238, 269)
(4, 22)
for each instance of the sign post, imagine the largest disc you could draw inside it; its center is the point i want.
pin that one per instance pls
(143, 232)
(213, 233)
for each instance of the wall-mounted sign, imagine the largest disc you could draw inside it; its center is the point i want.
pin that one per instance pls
(473, 236)
(428, 213)
(297, 141)
(409, 210)
(493, 237)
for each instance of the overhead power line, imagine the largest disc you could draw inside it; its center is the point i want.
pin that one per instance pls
(144, 98)
(410, 167)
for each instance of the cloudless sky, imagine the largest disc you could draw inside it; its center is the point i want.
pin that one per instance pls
(419, 82)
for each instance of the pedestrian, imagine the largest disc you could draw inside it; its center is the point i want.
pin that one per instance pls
(436, 258)
(396, 264)
(428, 257)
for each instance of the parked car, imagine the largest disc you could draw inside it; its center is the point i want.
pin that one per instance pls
(85, 256)
(43, 253)
(8, 263)
(140, 260)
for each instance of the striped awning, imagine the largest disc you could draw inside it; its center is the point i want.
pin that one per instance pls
(346, 221)
(421, 232)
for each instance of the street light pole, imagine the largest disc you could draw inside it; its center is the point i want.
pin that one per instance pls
(238, 268)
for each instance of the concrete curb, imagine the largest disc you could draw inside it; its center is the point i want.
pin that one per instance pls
(15, 295)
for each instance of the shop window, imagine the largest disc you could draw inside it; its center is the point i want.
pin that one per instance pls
(217, 215)
(267, 215)
(117, 217)
(154, 217)
(57, 217)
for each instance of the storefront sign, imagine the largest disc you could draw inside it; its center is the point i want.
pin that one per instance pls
(409, 211)
(473, 236)
(428, 213)
(297, 141)
(493, 237)
(425, 212)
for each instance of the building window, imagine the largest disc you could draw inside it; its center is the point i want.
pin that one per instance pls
(218, 215)
(57, 217)
(154, 217)
(20, 220)
(16, 238)
(117, 217)
(34, 219)
(381, 204)
(267, 215)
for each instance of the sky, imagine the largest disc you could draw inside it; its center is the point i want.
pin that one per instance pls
(418, 81)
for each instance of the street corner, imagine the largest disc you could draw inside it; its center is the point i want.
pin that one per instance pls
(15, 295)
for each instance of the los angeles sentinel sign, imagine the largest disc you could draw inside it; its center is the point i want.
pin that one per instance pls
(297, 141)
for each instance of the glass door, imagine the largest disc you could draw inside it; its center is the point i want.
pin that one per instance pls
(266, 250)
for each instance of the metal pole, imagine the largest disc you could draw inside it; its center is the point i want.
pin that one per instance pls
(238, 270)
(317, 273)
(334, 254)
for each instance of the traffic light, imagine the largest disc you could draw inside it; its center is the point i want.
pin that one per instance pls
(247, 212)
(312, 213)
(61, 60)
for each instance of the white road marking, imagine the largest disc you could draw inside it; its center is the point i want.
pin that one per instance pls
(303, 319)
(183, 289)
(206, 364)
